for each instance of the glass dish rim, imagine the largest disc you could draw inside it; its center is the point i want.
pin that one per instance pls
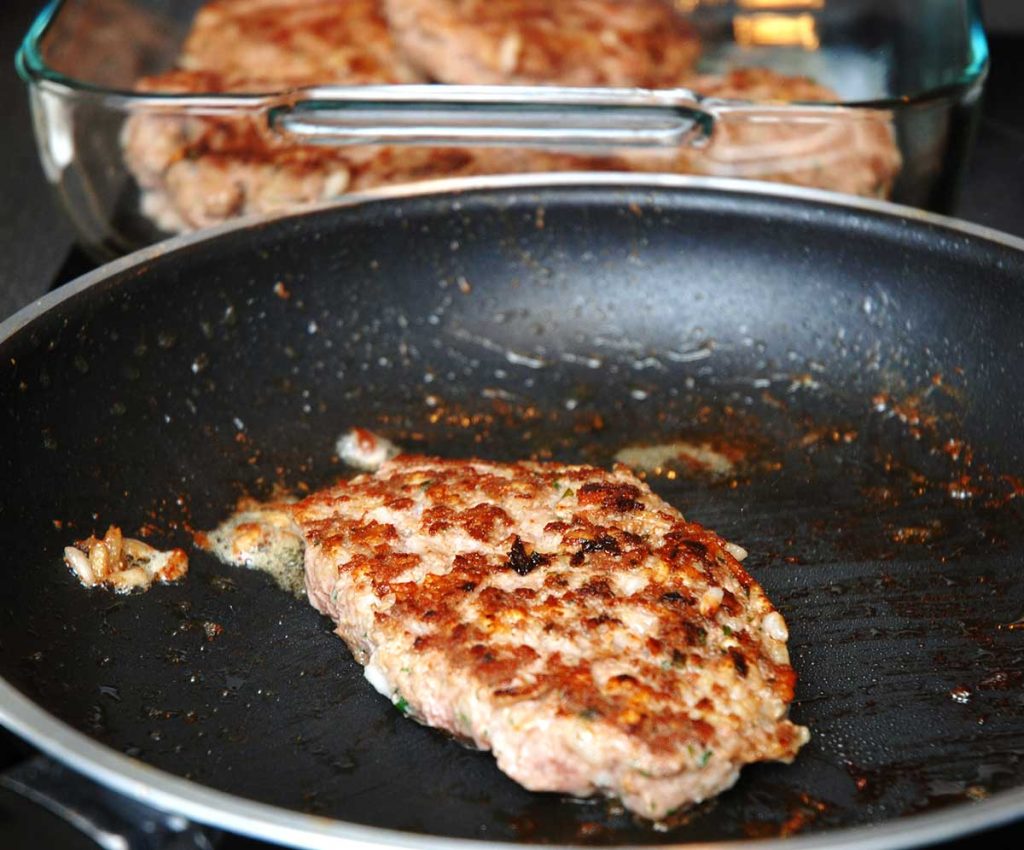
(32, 68)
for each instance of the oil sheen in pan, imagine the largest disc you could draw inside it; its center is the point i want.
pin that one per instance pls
(260, 536)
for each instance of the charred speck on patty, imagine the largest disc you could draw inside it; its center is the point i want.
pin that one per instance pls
(698, 549)
(604, 543)
(522, 563)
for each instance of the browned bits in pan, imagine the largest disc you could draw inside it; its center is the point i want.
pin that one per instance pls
(123, 563)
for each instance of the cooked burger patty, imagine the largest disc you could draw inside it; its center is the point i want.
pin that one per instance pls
(568, 42)
(852, 151)
(563, 617)
(196, 171)
(301, 42)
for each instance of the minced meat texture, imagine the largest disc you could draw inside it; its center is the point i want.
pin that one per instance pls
(564, 617)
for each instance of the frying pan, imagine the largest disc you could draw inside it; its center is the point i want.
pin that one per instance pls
(859, 363)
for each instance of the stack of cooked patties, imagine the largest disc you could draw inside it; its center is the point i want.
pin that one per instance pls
(200, 170)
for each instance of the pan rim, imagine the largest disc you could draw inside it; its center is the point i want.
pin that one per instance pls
(267, 822)
(168, 792)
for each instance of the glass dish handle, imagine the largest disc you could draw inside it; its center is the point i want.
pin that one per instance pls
(492, 116)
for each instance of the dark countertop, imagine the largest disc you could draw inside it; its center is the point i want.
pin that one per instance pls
(38, 253)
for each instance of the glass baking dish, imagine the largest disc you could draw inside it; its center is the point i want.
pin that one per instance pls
(890, 114)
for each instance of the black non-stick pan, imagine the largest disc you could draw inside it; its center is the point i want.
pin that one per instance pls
(860, 365)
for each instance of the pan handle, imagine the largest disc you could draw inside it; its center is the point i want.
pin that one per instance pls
(492, 116)
(103, 816)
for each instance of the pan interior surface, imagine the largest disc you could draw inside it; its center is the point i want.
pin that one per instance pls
(856, 371)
